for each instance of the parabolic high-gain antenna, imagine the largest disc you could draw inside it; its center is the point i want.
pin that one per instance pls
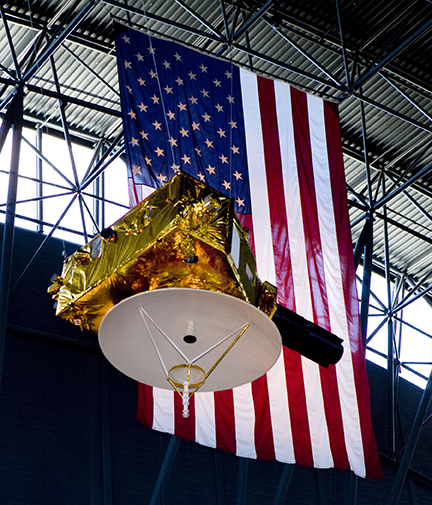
(189, 339)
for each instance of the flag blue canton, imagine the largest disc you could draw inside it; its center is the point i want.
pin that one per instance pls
(182, 111)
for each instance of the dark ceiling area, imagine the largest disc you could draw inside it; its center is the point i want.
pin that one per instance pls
(371, 57)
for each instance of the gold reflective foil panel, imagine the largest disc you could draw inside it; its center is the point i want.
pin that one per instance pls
(183, 235)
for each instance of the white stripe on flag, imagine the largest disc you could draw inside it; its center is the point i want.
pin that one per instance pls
(300, 271)
(326, 216)
(320, 441)
(257, 178)
(205, 424)
(244, 414)
(279, 412)
(163, 410)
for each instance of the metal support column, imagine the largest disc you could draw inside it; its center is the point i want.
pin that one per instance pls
(321, 484)
(352, 488)
(14, 117)
(39, 184)
(390, 343)
(165, 469)
(220, 486)
(367, 274)
(105, 434)
(368, 238)
(96, 193)
(283, 484)
(242, 481)
(411, 444)
(344, 55)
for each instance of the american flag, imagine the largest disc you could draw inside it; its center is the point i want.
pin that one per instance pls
(277, 153)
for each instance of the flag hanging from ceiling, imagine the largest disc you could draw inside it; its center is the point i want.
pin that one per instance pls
(277, 152)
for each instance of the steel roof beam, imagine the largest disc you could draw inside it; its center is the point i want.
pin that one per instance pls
(392, 112)
(98, 148)
(288, 67)
(93, 43)
(251, 20)
(198, 18)
(41, 157)
(96, 173)
(39, 199)
(365, 77)
(344, 53)
(410, 298)
(348, 152)
(31, 54)
(367, 242)
(55, 42)
(407, 97)
(165, 21)
(88, 67)
(403, 186)
(224, 18)
(10, 42)
(377, 329)
(406, 367)
(419, 207)
(45, 240)
(365, 154)
(307, 56)
(391, 221)
(323, 40)
(70, 99)
(39, 175)
(68, 140)
(389, 25)
(409, 168)
(92, 174)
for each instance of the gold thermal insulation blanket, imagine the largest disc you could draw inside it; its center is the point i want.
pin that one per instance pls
(183, 235)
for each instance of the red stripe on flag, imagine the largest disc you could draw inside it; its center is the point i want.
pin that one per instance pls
(264, 445)
(309, 208)
(333, 414)
(145, 405)
(334, 146)
(225, 421)
(297, 408)
(275, 188)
